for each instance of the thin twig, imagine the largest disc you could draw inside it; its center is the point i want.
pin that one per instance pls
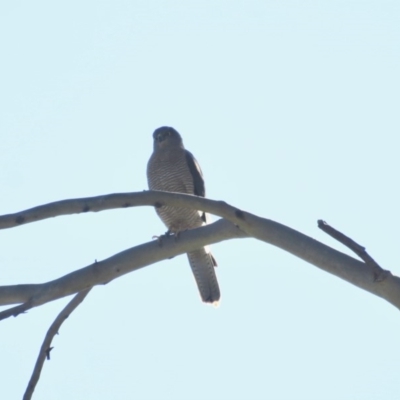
(379, 273)
(16, 310)
(46, 348)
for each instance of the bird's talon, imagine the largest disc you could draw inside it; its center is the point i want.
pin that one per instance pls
(159, 239)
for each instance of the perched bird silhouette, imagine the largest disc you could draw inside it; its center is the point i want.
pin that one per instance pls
(171, 168)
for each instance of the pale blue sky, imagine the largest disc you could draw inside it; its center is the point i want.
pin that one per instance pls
(291, 108)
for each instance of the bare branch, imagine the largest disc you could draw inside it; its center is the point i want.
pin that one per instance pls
(15, 311)
(151, 198)
(45, 349)
(120, 264)
(81, 205)
(379, 273)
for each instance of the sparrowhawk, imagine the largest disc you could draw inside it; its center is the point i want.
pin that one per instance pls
(172, 168)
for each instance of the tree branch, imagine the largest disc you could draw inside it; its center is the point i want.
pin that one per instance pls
(151, 198)
(114, 267)
(250, 225)
(15, 311)
(379, 273)
(45, 349)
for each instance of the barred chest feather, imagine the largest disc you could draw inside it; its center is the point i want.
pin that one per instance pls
(168, 171)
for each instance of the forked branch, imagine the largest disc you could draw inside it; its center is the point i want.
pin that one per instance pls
(380, 274)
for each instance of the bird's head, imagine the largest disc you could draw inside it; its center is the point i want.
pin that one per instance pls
(166, 136)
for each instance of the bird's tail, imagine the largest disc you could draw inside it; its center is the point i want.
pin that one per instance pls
(203, 267)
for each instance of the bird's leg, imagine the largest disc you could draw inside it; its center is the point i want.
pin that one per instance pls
(177, 234)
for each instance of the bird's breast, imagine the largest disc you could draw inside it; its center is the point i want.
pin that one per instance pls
(169, 172)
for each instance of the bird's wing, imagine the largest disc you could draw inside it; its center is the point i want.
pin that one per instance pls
(197, 175)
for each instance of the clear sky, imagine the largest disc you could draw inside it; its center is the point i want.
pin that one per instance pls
(292, 110)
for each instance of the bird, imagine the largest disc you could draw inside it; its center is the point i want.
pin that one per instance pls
(172, 168)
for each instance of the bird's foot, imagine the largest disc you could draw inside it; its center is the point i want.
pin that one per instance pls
(161, 237)
(177, 234)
